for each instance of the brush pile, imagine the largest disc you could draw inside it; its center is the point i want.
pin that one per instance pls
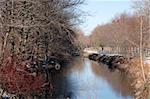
(112, 61)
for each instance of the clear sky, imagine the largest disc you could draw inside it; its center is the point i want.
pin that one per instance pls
(102, 11)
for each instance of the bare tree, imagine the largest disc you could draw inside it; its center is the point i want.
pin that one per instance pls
(35, 29)
(47, 25)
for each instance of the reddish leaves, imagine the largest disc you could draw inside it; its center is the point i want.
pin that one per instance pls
(16, 79)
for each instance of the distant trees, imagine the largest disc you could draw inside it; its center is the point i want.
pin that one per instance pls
(124, 30)
(82, 39)
(115, 33)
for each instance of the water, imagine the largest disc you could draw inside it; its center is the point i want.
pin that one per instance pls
(89, 80)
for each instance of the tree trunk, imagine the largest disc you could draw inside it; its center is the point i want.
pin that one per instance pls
(141, 47)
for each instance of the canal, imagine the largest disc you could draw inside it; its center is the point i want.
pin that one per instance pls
(86, 79)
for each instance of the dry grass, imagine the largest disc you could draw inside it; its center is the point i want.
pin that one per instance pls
(134, 71)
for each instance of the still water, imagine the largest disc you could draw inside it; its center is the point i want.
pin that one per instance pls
(85, 79)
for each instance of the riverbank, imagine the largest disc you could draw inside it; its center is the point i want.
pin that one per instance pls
(132, 69)
(73, 82)
(134, 72)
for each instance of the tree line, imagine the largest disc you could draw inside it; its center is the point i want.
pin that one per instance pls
(124, 31)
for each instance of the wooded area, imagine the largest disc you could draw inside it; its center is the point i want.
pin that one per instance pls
(38, 28)
(125, 32)
(32, 31)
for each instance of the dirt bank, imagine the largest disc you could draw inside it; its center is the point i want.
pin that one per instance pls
(134, 72)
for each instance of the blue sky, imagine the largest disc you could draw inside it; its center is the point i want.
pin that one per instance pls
(102, 11)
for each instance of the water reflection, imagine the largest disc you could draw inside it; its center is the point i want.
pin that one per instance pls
(117, 80)
(88, 80)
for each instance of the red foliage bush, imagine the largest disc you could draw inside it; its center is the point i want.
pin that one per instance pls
(17, 80)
